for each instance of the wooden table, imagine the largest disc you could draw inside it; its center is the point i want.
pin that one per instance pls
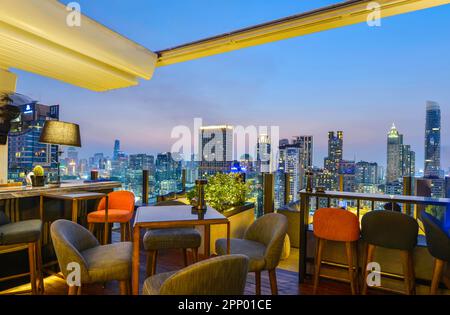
(172, 217)
(76, 197)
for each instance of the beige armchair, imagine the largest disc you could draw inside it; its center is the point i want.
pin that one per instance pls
(262, 244)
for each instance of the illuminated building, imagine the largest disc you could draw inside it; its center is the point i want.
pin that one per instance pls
(335, 155)
(432, 140)
(24, 149)
(216, 150)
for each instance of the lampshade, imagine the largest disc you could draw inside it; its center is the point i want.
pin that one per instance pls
(61, 133)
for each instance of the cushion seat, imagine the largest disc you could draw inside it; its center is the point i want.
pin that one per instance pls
(153, 284)
(255, 251)
(109, 262)
(157, 239)
(20, 232)
(114, 215)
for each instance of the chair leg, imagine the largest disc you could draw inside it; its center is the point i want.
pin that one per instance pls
(437, 274)
(32, 264)
(185, 257)
(123, 233)
(406, 271)
(39, 268)
(129, 232)
(351, 275)
(195, 254)
(79, 290)
(318, 262)
(273, 281)
(123, 287)
(91, 227)
(369, 257)
(151, 262)
(73, 290)
(258, 282)
(412, 272)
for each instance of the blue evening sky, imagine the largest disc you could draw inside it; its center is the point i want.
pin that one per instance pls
(357, 79)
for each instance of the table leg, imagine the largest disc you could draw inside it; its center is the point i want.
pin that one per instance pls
(228, 239)
(135, 262)
(106, 229)
(75, 210)
(304, 218)
(207, 250)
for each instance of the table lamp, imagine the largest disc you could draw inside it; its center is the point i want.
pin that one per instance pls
(60, 133)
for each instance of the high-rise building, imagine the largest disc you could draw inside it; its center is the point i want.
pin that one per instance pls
(216, 150)
(347, 175)
(263, 154)
(394, 155)
(366, 177)
(432, 140)
(167, 173)
(24, 149)
(295, 159)
(401, 159)
(116, 151)
(335, 155)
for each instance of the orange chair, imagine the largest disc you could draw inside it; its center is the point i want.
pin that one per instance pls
(340, 226)
(120, 210)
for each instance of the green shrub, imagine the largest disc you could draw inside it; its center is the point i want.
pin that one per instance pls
(224, 191)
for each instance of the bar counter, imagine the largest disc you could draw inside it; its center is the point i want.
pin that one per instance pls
(66, 187)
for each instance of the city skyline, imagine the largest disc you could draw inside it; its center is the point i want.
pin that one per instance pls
(307, 93)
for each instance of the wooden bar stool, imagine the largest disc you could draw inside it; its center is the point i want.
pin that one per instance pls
(337, 225)
(391, 230)
(24, 235)
(438, 242)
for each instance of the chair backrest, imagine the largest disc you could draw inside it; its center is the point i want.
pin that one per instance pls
(438, 240)
(269, 230)
(336, 225)
(69, 240)
(3, 218)
(120, 200)
(166, 203)
(223, 275)
(389, 229)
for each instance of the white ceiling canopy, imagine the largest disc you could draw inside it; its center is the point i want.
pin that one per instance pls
(35, 37)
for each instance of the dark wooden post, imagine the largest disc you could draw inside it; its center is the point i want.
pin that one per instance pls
(268, 201)
(183, 180)
(407, 191)
(145, 175)
(287, 188)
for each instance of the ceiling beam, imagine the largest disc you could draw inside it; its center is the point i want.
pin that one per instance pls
(334, 16)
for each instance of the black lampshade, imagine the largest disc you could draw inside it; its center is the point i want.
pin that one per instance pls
(61, 133)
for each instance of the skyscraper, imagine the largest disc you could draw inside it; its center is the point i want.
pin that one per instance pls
(401, 160)
(335, 155)
(116, 151)
(295, 159)
(263, 154)
(24, 150)
(432, 140)
(394, 155)
(366, 177)
(216, 150)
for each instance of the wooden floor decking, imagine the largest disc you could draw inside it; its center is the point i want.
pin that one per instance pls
(172, 260)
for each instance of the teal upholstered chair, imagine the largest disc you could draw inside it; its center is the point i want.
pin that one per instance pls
(262, 244)
(98, 264)
(174, 238)
(392, 230)
(24, 235)
(438, 242)
(224, 275)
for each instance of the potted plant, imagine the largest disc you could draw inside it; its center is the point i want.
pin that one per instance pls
(228, 194)
(38, 178)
